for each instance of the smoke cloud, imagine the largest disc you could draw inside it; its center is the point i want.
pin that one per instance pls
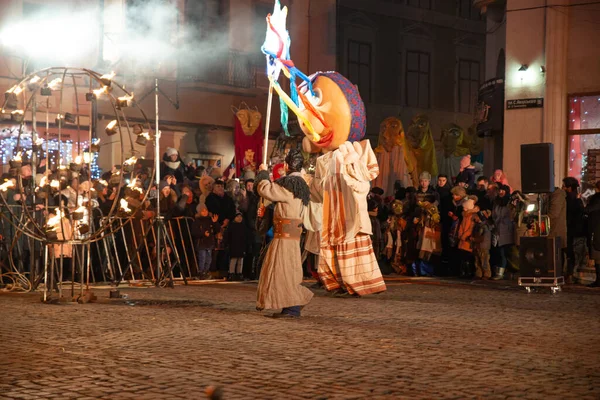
(146, 37)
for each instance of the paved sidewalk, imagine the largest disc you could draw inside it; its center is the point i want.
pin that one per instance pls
(424, 338)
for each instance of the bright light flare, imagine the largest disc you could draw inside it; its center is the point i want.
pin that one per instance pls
(54, 184)
(124, 205)
(130, 161)
(55, 83)
(530, 207)
(101, 91)
(78, 160)
(15, 89)
(7, 185)
(54, 221)
(18, 157)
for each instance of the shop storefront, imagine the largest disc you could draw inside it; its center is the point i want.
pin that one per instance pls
(584, 138)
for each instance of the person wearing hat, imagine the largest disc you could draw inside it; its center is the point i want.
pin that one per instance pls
(425, 190)
(220, 204)
(505, 230)
(173, 165)
(466, 176)
(204, 231)
(280, 282)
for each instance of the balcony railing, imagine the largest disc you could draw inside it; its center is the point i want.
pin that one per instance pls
(235, 69)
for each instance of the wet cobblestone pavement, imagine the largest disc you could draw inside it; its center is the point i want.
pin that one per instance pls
(423, 338)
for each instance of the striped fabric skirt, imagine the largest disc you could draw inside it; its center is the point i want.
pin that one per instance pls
(351, 266)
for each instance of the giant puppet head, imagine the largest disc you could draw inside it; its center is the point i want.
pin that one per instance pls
(336, 112)
(419, 140)
(391, 134)
(454, 141)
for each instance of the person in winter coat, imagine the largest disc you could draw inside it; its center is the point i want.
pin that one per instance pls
(466, 176)
(221, 204)
(443, 188)
(482, 243)
(451, 214)
(236, 241)
(593, 212)
(576, 232)
(505, 229)
(465, 231)
(204, 231)
(173, 165)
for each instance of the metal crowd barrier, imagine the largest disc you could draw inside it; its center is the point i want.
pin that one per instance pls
(129, 254)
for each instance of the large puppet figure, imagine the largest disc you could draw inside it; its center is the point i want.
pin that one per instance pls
(347, 263)
(395, 164)
(419, 141)
(454, 148)
(332, 115)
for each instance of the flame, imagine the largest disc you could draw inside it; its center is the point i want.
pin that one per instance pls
(132, 184)
(54, 221)
(6, 185)
(126, 98)
(39, 142)
(44, 181)
(60, 116)
(54, 184)
(15, 89)
(18, 156)
(35, 80)
(78, 160)
(55, 83)
(102, 182)
(130, 161)
(146, 135)
(108, 76)
(18, 112)
(124, 205)
(101, 91)
(111, 124)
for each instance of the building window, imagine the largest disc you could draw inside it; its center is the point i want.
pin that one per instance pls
(466, 10)
(420, 4)
(418, 71)
(468, 85)
(204, 17)
(584, 139)
(359, 67)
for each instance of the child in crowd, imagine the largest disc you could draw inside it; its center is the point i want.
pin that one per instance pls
(465, 231)
(236, 241)
(482, 243)
(204, 231)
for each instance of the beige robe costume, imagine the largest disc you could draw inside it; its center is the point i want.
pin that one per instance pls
(347, 259)
(280, 283)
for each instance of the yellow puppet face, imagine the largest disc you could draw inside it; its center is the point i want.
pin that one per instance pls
(391, 133)
(418, 131)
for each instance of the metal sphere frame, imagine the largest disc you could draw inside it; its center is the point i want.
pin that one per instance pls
(29, 92)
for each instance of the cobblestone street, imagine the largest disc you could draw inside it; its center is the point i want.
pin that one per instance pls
(424, 338)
